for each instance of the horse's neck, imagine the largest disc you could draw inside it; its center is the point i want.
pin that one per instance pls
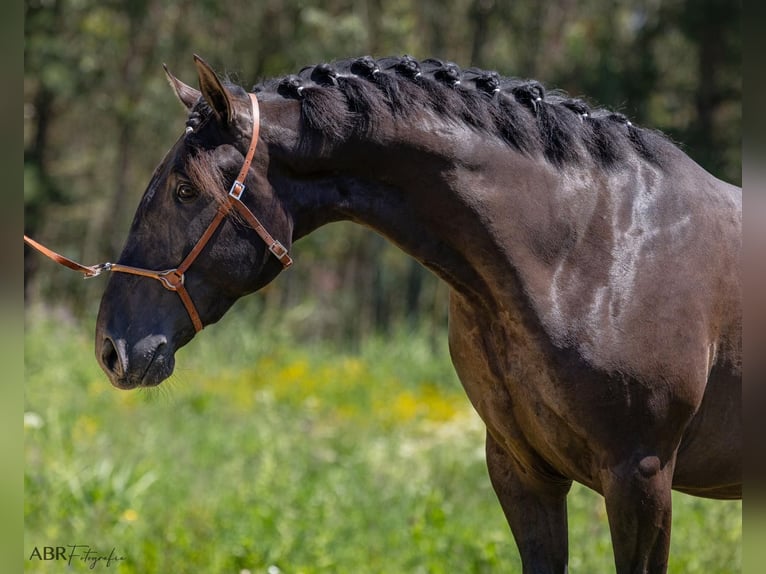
(465, 207)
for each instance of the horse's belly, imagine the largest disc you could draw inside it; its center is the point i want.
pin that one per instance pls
(709, 461)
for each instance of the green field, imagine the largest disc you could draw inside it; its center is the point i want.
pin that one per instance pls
(262, 455)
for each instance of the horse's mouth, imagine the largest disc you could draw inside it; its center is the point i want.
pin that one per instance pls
(128, 384)
(155, 373)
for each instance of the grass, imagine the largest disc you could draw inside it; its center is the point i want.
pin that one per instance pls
(263, 456)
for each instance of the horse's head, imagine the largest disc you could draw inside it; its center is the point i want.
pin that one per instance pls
(145, 316)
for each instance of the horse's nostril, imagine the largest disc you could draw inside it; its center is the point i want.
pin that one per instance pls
(146, 362)
(110, 358)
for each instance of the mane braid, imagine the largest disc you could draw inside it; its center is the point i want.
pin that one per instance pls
(350, 98)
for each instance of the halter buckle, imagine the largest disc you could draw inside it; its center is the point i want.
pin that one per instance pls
(171, 279)
(237, 189)
(280, 252)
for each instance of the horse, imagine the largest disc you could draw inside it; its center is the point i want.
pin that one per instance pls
(594, 270)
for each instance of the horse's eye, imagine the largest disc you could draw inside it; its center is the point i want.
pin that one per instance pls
(186, 193)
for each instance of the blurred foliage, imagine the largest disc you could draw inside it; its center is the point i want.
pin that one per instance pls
(294, 459)
(99, 115)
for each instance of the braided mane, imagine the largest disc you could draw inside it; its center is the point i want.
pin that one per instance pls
(352, 96)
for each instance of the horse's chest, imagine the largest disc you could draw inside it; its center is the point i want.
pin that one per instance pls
(516, 391)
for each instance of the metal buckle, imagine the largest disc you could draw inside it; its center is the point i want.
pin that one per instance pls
(278, 249)
(237, 188)
(96, 270)
(280, 252)
(171, 279)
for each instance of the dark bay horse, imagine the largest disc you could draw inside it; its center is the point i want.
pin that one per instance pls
(595, 303)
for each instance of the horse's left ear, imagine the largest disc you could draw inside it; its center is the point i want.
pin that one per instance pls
(216, 95)
(186, 94)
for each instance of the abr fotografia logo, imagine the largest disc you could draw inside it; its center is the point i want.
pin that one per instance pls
(74, 553)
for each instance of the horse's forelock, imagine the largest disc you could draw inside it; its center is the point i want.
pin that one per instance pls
(206, 175)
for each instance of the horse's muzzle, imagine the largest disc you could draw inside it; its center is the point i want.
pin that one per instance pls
(145, 364)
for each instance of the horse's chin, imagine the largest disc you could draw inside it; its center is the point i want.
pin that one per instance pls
(130, 384)
(149, 380)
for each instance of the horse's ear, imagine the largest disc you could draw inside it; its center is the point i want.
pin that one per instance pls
(216, 95)
(186, 94)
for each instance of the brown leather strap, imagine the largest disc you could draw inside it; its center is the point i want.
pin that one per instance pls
(202, 241)
(88, 270)
(171, 280)
(238, 187)
(277, 249)
(239, 183)
(190, 308)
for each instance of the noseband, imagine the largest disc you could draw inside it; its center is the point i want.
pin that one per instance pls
(173, 279)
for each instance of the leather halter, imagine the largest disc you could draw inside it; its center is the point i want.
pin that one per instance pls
(173, 279)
